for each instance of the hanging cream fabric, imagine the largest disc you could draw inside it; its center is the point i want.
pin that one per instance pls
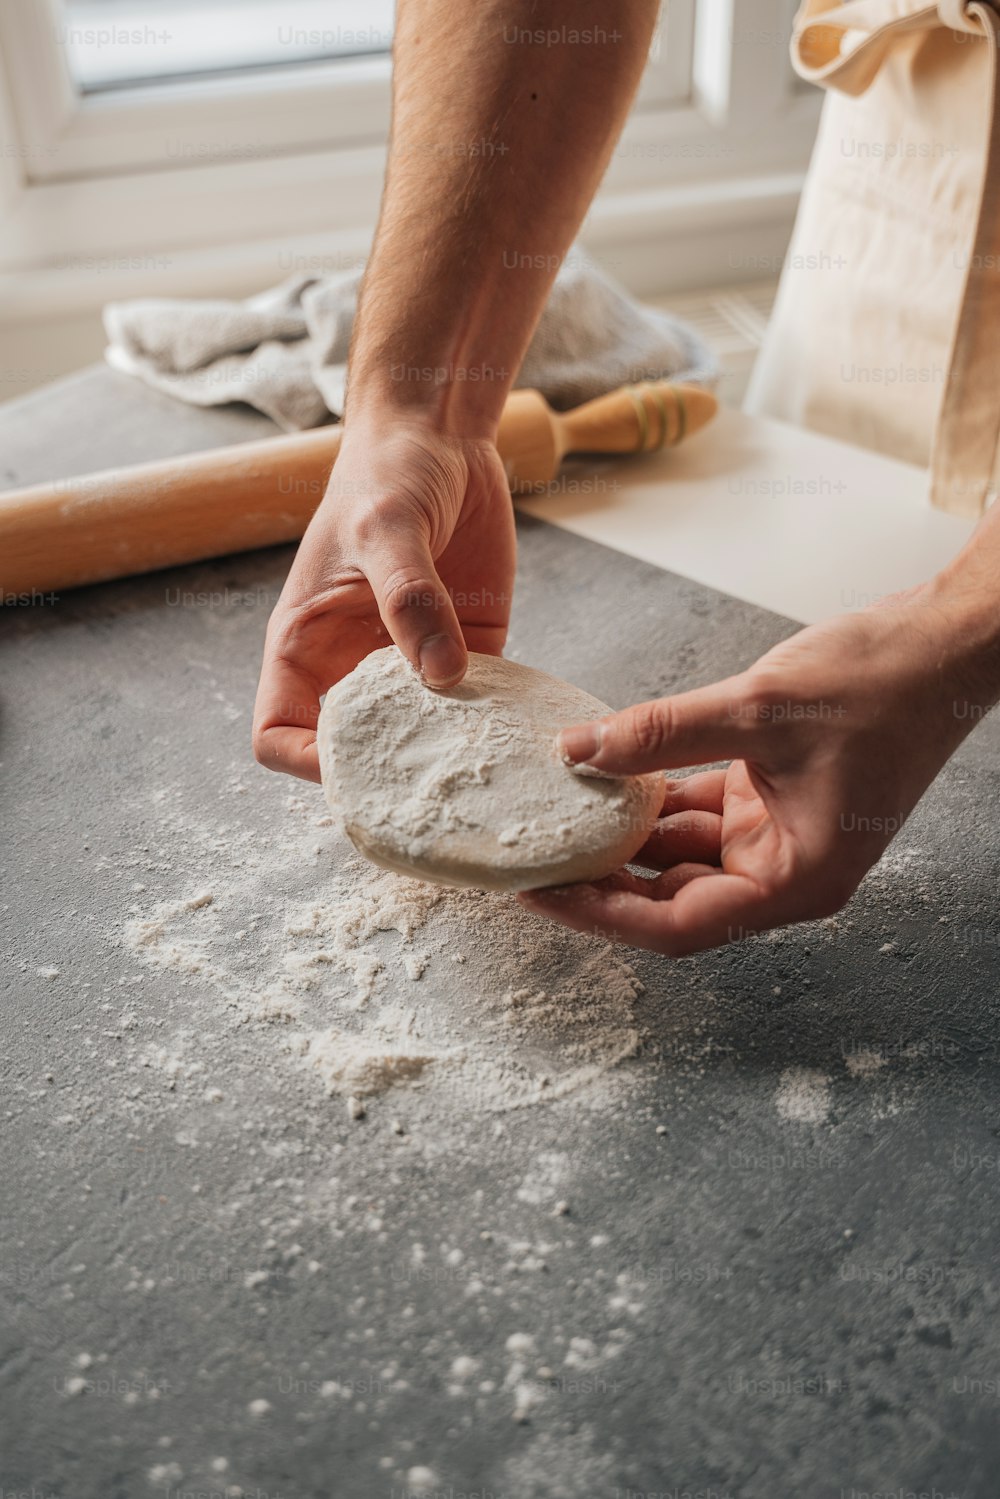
(886, 328)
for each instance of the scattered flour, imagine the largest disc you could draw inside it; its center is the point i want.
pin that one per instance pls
(363, 1064)
(803, 1095)
(165, 1475)
(376, 981)
(541, 1184)
(554, 1466)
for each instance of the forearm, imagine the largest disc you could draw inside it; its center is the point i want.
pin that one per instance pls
(966, 598)
(499, 140)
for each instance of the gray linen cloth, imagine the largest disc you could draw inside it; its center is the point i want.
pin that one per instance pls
(284, 351)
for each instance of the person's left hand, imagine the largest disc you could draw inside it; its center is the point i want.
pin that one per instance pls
(836, 733)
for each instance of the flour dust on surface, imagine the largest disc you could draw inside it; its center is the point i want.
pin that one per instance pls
(370, 981)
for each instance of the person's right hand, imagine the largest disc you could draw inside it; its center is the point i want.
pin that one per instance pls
(413, 542)
(834, 735)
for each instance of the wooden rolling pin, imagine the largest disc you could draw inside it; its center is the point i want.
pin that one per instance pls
(257, 494)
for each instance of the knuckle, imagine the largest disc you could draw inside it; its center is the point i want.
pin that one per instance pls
(262, 747)
(367, 527)
(649, 726)
(408, 588)
(759, 693)
(386, 519)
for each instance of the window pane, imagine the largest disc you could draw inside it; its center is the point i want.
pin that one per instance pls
(110, 43)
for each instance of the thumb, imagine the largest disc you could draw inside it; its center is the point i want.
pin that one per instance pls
(417, 609)
(692, 728)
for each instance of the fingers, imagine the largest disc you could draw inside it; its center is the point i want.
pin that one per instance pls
(293, 751)
(416, 608)
(306, 650)
(623, 907)
(684, 838)
(702, 792)
(285, 718)
(734, 909)
(692, 728)
(689, 909)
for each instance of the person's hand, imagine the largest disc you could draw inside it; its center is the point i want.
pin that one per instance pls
(413, 543)
(835, 735)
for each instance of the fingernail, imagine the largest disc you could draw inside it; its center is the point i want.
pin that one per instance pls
(579, 743)
(441, 661)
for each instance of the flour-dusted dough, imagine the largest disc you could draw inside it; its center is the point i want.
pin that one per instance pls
(465, 787)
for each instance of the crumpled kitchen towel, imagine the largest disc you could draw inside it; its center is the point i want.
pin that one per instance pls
(285, 350)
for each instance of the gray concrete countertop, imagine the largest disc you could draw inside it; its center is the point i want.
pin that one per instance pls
(776, 1272)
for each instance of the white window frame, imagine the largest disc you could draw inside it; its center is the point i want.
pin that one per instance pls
(717, 145)
(260, 113)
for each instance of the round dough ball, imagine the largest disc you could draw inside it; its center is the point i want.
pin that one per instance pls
(465, 786)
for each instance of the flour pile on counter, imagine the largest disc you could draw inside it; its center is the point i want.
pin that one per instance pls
(369, 981)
